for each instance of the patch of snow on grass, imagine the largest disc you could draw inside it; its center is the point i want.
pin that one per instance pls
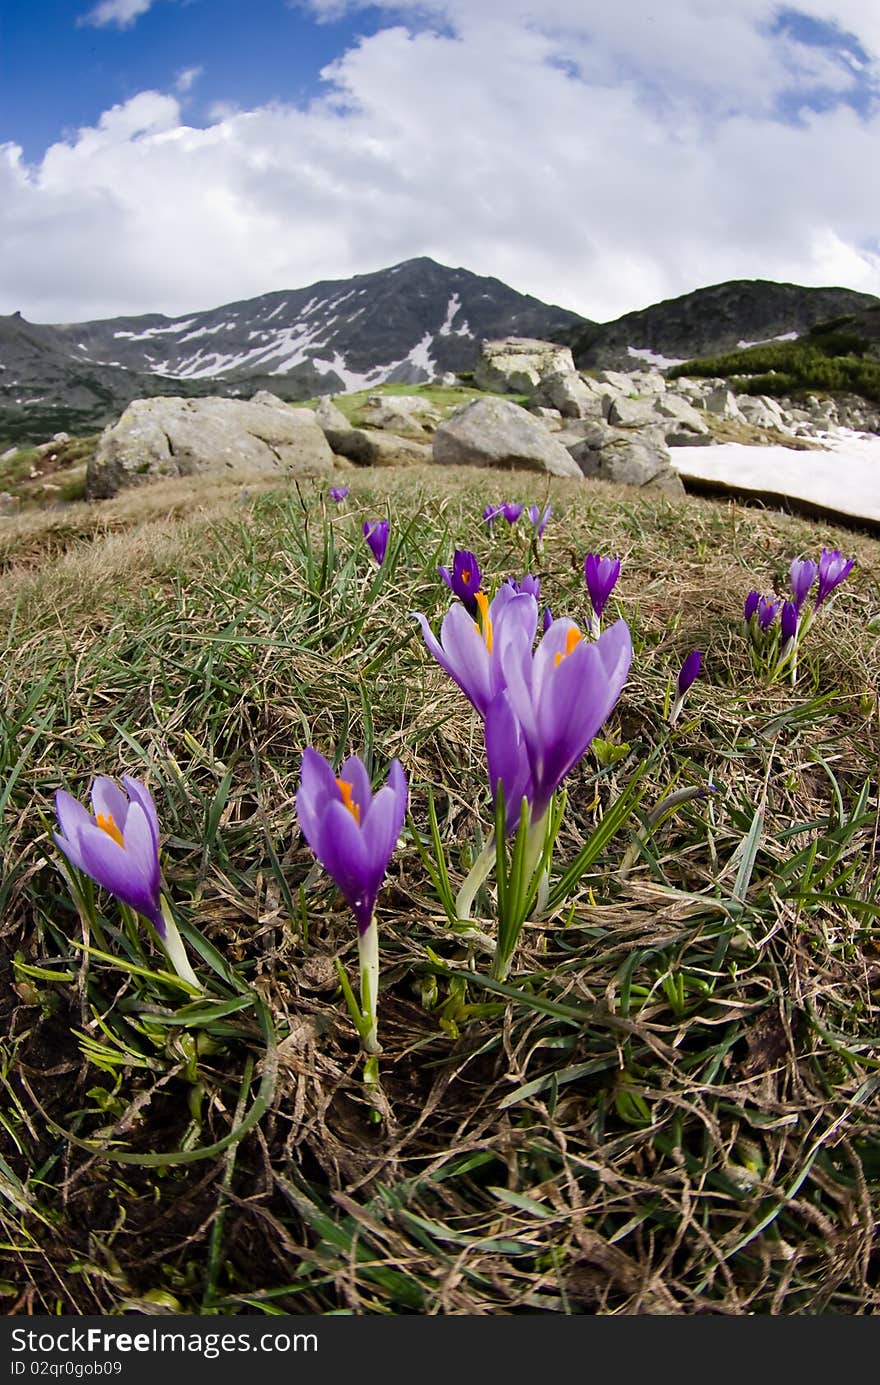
(843, 476)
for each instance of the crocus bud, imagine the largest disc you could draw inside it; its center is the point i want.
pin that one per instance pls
(689, 671)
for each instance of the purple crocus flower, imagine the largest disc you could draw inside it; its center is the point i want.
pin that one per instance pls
(510, 511)
(552, 704)
(376, 535)
(490, 514)
(802, 575)
(353, 833)
(788, 620)
(529, 584)
(833, 569)
(547, 621)
(690, 670)
(468, 650)
(767, 611)
(117, 845)
(601, 575)
(464, 579)
(539, 520)
(338, 493)
(753, 601)
(351, 830)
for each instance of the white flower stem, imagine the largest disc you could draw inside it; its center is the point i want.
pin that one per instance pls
(368, 960)
(173, 945)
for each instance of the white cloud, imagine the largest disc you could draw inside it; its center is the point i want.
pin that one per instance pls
(600, 160)
(122, 13)
(186, 79)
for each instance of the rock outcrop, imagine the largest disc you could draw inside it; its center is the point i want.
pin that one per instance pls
(515, 365)
(610, 425)
(170, 436)
(497, 432)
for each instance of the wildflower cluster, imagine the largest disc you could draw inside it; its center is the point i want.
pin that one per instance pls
(775, 645)
(542, 687)
(541, 706)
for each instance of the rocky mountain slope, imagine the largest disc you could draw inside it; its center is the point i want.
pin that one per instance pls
(407, 323)
(709, 321)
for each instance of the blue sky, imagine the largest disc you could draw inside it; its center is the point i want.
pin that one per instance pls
(168, 155)
(245, 52)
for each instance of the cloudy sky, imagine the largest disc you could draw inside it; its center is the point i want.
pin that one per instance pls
(172, 155)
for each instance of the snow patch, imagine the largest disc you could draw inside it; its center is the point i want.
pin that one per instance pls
(274, 312)
(653, 357)
(208, 331)
(420, 355)
(765, 341)
(452, 308)
(352, 379)
(156, 331)
(464, 331)
(842, 476)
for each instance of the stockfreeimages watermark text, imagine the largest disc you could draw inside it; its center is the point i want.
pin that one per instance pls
(208, 1344)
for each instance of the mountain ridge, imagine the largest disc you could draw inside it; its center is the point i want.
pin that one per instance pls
(405, 324)
(711, 320)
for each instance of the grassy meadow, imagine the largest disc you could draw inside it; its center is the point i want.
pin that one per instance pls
(669, 1107)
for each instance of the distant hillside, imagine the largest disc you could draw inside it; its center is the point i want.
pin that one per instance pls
(721, 318)
(407, 323)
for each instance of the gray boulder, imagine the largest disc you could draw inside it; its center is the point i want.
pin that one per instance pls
(332, 422)
(630, 413)
(551, 418)
(515, 365)
(569, 394)
(627, 456)
(685, 417)
(722, 401)
(400, 413)
(761, 411)
(376, 447)
(169, 436)
(617, 379)
(648, 382)
(368, 446)
(497, 432)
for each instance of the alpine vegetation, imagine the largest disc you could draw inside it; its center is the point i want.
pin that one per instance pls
(405, 915)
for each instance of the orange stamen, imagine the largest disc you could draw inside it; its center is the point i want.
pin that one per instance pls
(354, 808)
(573, 638)
(107, 825)
(482, 601)
(466, 576)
